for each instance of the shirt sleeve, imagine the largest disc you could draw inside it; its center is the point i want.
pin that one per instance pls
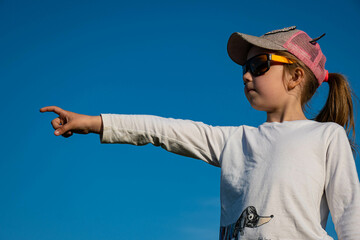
(183, 137)
(342, 187)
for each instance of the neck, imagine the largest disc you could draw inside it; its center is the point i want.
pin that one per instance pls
(286, 114)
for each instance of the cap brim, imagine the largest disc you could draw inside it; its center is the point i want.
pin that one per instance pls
(239, 45)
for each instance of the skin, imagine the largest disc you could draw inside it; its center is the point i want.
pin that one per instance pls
(68, 122)
(276, 93)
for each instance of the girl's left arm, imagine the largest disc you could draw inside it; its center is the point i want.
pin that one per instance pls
(343, 187)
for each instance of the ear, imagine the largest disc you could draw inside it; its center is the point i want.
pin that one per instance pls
(296, 78)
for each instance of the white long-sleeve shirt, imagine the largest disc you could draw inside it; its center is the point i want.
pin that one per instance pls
(278, 181)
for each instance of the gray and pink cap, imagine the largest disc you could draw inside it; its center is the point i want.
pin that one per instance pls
(288, 39)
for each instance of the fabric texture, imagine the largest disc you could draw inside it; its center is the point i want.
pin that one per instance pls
(278, 180)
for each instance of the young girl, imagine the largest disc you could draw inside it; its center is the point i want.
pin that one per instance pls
(278, 180)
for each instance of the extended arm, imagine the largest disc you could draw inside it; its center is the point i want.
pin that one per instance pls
(183, 137)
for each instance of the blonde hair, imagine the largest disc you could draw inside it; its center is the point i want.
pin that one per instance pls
(339, 105)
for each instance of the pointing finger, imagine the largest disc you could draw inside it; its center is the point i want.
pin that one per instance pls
(54, 109)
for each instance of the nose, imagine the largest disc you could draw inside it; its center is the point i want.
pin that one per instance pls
(247, 77)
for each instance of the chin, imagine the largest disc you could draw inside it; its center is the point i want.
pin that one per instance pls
(255, 105)
(260, 107)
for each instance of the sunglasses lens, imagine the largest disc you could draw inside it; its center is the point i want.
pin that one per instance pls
(259, 65)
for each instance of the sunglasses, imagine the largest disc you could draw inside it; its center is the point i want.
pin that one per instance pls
(260, 64)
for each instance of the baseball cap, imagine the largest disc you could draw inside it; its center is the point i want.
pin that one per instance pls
(288, 39)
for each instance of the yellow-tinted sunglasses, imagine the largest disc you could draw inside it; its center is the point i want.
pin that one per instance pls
(260, 64)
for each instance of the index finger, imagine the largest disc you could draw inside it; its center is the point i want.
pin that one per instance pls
(54, 109)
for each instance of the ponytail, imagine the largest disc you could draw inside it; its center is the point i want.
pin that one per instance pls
(339, 106)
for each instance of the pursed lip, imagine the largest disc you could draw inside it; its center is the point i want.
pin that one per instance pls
(248, 89)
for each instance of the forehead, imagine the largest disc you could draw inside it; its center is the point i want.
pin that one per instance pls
(256, 51)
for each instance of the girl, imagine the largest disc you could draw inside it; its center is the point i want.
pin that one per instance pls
(278, 180)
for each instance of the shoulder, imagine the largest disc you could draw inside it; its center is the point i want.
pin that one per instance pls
(322, 126)
(331, 127)
(328, 130)
(328, 125)
(334, 136)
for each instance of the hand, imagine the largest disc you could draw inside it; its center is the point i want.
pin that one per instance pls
(68, 123)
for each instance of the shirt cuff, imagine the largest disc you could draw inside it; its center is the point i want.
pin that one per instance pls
(105, 137)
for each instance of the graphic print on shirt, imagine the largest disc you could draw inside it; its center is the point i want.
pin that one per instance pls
(248, 218)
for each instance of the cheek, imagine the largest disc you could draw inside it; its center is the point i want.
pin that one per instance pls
(271, 87)
(273, 82)
(272, 91)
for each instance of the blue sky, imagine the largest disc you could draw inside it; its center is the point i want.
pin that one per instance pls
(165, 58)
